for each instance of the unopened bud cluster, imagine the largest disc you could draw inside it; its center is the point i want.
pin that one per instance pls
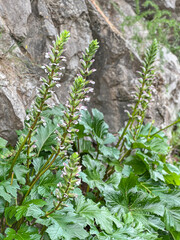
(70, 174)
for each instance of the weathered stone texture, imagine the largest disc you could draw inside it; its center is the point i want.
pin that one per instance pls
(27, 30)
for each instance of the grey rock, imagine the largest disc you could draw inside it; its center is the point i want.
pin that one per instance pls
(16, 13)
(27, 30)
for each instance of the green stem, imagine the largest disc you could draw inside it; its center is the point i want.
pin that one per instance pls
(150, 130)
(131, 120)
(17, 154)
(32, 126)
(42, 231)
(147, 189)
(88, 188)
(125, 154)
(45, 167)
(49, 159)
(2, 224)
(62, 199)
(38, 176)
(170, 125)
(27, 164)
(124, 131)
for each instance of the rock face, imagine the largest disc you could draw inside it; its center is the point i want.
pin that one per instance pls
(27, 29)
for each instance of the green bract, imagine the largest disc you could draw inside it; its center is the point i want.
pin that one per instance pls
(70, 178)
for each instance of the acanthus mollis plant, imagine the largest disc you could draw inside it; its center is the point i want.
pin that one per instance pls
(45, 92)
(29, 168)
(142, 97)
(82, 182)
(129, 175)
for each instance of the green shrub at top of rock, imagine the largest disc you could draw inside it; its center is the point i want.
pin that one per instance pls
(159, 23)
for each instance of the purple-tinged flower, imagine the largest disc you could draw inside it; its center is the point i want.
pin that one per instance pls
(59, 184)
(47, 55)
(64, 173)
(126, 111)
(139, 118)
(56, 79)
(61, 68)
(79, 169)
(88, 90)
(145, 100)
(62, 147)
(130, 105)
(83, 108)
(78, 182)
(63, 124)
(87, 99)
(58, 139)
(92, 82)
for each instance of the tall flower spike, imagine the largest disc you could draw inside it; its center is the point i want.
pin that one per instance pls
(44, 93)
(71, 115)
(53, 75)
(144, 95)
(77, 94)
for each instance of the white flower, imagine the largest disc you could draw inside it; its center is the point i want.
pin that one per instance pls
(83, 108)
(78, 182)
(87, 99)
(59, 184)
(47, 55)
(92, 82)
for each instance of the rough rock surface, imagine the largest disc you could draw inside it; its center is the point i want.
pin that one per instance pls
(27, 29)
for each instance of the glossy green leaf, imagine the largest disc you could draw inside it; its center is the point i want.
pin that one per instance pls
(3, 143)
(69, 226)
(89, 210)
(45, 137)
(20, 173)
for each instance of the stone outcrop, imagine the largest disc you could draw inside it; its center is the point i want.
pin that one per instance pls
(27, 29)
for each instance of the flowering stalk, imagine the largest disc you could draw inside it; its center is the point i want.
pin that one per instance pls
(45, 93)
(142, 98)
(69, 174)
(144, 95)
(78, 93)
(64, 191)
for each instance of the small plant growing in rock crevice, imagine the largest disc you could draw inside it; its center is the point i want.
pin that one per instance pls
(159, 23)
(69, 178)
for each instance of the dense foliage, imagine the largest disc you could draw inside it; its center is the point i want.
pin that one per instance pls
(175, 141)
(70, 178)
(159, 23)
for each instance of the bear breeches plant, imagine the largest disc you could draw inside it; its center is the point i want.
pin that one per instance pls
(70, 178)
